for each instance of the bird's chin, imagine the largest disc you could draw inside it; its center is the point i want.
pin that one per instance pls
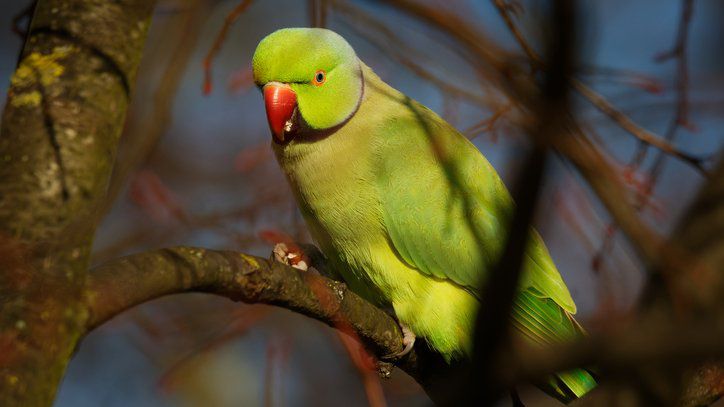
(297, 130)
(291, 129)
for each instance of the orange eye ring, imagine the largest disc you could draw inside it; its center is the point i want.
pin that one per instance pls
(319, 78)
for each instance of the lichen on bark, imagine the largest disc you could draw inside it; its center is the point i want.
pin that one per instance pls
(61, 124)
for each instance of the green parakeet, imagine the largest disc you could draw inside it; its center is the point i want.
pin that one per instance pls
(395, 197)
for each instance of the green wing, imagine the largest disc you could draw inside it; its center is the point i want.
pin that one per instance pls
(445, 210)
(445, 207)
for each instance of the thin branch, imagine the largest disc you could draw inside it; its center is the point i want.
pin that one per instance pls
(318, 13)
(360, 21)
(141, 135)
(485, 50)
(639, 132)
(487, 124)
(503, 8)
(25, 14)
(628, 77)
(493, 320)
(681, 115)
(670, 344)
(492, 330)
(588, 160)
(644, 192)
(602, 103)
(219, 41)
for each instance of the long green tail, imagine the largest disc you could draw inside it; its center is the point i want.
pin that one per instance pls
(542, 321)
(568, 386)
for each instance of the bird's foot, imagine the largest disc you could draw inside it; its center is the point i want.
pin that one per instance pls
(291, 256)
(408, 341)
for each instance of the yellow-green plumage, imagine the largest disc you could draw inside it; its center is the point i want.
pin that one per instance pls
(409, 211)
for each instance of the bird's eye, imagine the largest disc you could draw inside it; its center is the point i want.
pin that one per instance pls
(319, 78)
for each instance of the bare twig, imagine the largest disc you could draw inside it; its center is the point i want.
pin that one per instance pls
(639, 132)
(602, 103)
(487, 124)
(681, 115)
(672, 344)
(643, 196)
(141, 136)
(318, 13)
(590, 161)
(625, 76)
(360, 21)
(26, 13)
(498, 295)
(488, 53)
(219, 41)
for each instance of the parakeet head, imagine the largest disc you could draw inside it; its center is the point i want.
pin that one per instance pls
(311, 80)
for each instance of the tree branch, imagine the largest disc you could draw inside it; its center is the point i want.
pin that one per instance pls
(120, 284)
(644, 136)
(143, 130)
(588, 160)
(60, 128)
(648, 342)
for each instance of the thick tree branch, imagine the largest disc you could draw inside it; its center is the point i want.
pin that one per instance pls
(121, 284)
(64, 114)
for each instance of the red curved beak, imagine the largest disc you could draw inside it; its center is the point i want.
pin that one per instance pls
(280, 101)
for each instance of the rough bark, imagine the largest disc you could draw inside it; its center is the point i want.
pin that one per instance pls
(60, 128)
(123, 283)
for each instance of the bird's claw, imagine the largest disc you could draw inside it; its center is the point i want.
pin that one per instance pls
(290, 256)
(408, 341)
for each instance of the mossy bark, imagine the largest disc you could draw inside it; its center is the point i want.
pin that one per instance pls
(60, 129)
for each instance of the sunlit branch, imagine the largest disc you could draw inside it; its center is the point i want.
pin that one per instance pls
(123, 283)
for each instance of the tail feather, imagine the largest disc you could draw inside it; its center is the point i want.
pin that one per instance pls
(578, 381)
(568, 386)
(542, 321)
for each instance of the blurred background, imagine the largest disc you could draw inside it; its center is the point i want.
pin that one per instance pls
(197, 169)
